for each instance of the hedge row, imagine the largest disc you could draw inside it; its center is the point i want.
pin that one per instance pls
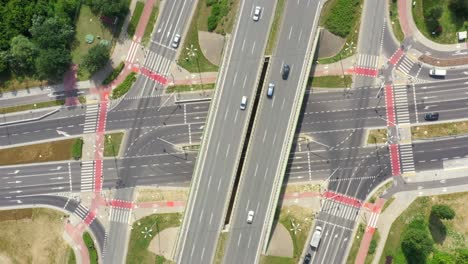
(219, 10)
(113, 75)
(124, 86)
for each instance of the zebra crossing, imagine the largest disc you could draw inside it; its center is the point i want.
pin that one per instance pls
(339, 210)
(120, 215)
(91, 119)
(87, 176)
(407, 158)
(368, 61)
(81, 212)
(406, 64)
(401, 104)
(157, 63)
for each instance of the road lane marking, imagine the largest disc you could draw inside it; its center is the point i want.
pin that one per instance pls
(234, 80)
(243, 44)
(256, 168)
(248, 244)
(239, 240)
(264, 136)
(201, 215)
(217, 148)
(235, 118)
(209, 181)
(225, 115)
(290, 31)
(211, 218)
(219, 183)
(300, 35)
(253, 47)
(274, 139)
(245, 80)
(227, 150)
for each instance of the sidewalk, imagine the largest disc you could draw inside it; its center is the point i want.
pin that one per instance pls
(337, 68)
(410, 30)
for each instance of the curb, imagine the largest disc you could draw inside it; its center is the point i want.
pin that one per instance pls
(30, 119)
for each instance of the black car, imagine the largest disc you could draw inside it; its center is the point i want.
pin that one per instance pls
(307, 259)
(285, 71)
(431, 116)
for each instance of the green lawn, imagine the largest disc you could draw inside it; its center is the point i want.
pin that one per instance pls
(135, 18)
(198, 62)
(153, 224)
(275, 27)
(112, 144)
(356, 243)
(276, 260)
(395, 20)
(152, 20)
(93, 255)
(332, 81)
(301, 217)
(19, 108)
(352, 26)
(87, 23)
(190, 88)
(456, 235)
(71, 256)
(220, 247)
(449, 22)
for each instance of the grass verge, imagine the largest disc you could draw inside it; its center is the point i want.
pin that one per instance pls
(12, 83)
(19, 108)
(356, 244)
(220, 247)
(138, 245)
(33, 235)
(77, 148)
(193, 147)
(276, 260)
(380, 191)
(43, 152)
(456, 230)
(71, 257)
(302, 218)
(332, 81)
(189, 88)
(198, 62)
(82, 99)
(351, 37)
(112, 144)
(449, 22)
(124, 87)
(151, 22)
(159, 194)
(93, 255)
(135, 18)
(439, 130)
(395, 20)
(387, 203)
(275, 27)
(113, 75)
(377, 136)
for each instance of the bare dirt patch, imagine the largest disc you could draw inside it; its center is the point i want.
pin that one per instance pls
(443, 62)
(162, 194)
(44, 152)
(300, 188)
(34, 239)
(164, 242)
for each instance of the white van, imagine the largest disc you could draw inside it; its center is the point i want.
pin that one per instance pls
(437, 72)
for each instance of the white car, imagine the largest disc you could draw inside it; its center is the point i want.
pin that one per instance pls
(175, 41)
(243, 103)
(250, 216)
(257, 12)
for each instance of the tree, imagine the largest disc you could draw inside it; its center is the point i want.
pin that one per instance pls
(416, 245)
(22, 55)
(3, 61)
(440, 257)
(51, 64)
(459, 7)
(434, 13)
(53, 32)
(96, 58)
(109, 7)
(443, 211)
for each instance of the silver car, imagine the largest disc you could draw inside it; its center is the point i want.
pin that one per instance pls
(257, 12)
(271, 90)
(250, 216)
(243, 103)
(175, 41)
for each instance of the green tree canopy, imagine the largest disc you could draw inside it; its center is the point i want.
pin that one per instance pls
(443, 211)
(22, 55)
(416, 245)
(109, 7)
(53, 32)
(462, 255)
(3, 61)
(51, 64)
(96, 58)
(460, 7)
(440, 257)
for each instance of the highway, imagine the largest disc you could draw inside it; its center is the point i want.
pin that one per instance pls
(224, 137)
(269, 138)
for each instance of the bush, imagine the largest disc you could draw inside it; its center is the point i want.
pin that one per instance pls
(219, 10)
(211, 2)
(462, 255)
(114, 74)
(440, 257)
(212, 23)
(372, 246)
(342, 17)
(123, 88)
(443, 211)
(77, 148)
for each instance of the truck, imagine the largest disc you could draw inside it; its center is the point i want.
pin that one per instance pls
(437, 72)
(315, 241)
